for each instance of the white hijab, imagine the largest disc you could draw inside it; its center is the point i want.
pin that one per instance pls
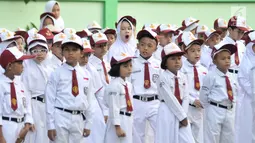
(119, 46)
(42, 20)
(248, 61)
(59, 23)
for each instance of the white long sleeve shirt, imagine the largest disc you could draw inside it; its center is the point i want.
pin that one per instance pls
(215, 89)
(23, 100)
(115, 93)
(59, 93)
(206, 58)
(166, 88)
(137, 76)
(188, 70)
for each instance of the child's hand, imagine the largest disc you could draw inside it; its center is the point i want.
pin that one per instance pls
(198, 104)
(32, 128)
(2, 140)
(105, 119)
(120, 132)
(86, 132)
(184, 123)
(23, 133)
(52, 134)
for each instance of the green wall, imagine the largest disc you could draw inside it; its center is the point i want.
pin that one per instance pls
(78, 13)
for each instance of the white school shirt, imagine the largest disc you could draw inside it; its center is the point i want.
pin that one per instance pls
(59, 93)
(166, 88)
(23, 100)
(157, 53)
(241, 50)
(115, 93)
(35, 77)
(206, 58)
(188, 70)
(56, 62)
(137, 76)
(97, 63)
(215, 89)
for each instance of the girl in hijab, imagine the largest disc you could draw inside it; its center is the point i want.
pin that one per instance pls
(125, 42)
(47, 19)
(246, 77)
(54, 7)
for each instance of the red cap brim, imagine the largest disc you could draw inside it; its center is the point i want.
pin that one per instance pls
(25, 57)
(243, 28)
(101, 41)
(88, 50)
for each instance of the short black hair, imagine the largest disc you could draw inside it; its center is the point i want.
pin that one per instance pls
(71, 43)
(115, 69)
(148, 36)
(164, 60)
(232, 27)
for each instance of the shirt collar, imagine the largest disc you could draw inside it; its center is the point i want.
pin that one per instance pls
(172, 75)
(220, 73)
(95, 59)
(70, 67)
(142, 60)
(123, 82)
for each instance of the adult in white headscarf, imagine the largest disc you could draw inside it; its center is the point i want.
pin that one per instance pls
(54, 7)
(125, 41)
(246, 77)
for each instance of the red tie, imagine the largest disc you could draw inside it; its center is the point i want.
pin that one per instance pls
(14, 104)
(147, 82)
(75, 88)
(105, 72)
(177, 91)
(236, 56)
(128, 101)
(196, 79)
(229, 89)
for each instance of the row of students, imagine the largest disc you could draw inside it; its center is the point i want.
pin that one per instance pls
(144, 66)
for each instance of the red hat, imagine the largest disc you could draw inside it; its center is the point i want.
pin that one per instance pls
(22, 33)
(109, 31)
(220, 23)
(86, 46)
(98, 38)
(123, 57)
(46, 33)
(84, 33)
(189, 39)
(145, 32)
(152, 26)
(12, 54)
(222, 46)
(8, 36)
(128, 17)
(238, 22)
(171, 49)
(163, 28)
(189, 24)
(211, 32)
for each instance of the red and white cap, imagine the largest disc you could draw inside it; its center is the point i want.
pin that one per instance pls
(220, 23)
(36, 37)
(109, 31)
(166, 28)
(94, 25)
(69, 31)
(73, 38)
(8, 36)
(54, 29)
(22, 32)
(12, 54)
(171, 49)
(37, 43)
(152, 26)
(147, 31)
(211, 32)
(189, 39)
(121, 58)
(84, 33)
(98, 38)
(238, 22)
(189, 24)
(251, 36)
(3, 30)
(32, 32)
(201, 29)
(222, 46)
(59, 37)
(86, 46)
(46, 33)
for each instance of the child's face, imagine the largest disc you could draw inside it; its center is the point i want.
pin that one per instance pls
(165, 38)
(236, 34)
(111, 39)
(222, 61)
(47, 21)
(100, 50)
(174, 63)
(214, 40)
(147, 46)
(72, 54)
(56, 10)
(40, 53)
(20, 44)
(125, 31)
(125, 69)
(193, 54)
(56, 49)
(16, 67)
(224, 32)
(84, 59)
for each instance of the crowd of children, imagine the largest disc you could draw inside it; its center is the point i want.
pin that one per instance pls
(192, 84)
